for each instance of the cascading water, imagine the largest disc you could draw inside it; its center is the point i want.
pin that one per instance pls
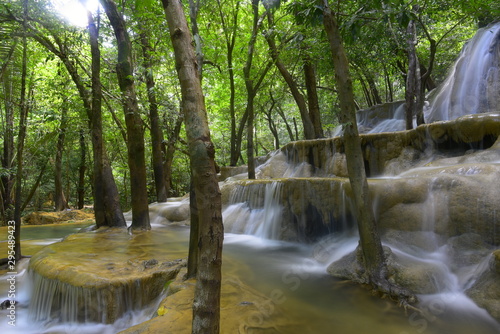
(473, 85)
(256, 210)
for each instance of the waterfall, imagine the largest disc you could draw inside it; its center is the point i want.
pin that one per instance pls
(292, 209)
(53, 299)
(473, 84)
(256, 210)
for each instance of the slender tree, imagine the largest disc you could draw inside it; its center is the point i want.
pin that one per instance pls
(106, 201)
(309, 132)
(413, 87)
(206, 305)
(23, 115)
(155, 130)
(252, 86)
(59, 198)
(370, 243)
(133, 121)
(81, 170)
(7, 179)
(230, 33)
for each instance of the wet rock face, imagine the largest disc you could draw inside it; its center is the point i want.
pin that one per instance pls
(485, 291)
(98, 276)
(393, 152)
(448, 200)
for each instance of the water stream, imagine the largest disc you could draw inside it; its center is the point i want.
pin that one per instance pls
(313, 301)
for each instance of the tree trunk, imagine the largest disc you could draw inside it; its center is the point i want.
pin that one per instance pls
(272, 125)
(282, 115)
(135, 130)
(230, 35)
(309, 132)
(371, 246)
(170, 151)
(372, 88)
(7, 179)
(194, 235)
(370, 241)
(59, 198)
(252, 87)
(107, 209)
(312, 98)
(250, 130)
(81, 171)
(60, 49)
(206, 305)
(412, 94)
(156, 133)
(23, 115)
(193, 16)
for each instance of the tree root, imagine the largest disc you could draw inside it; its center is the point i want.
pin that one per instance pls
(402, 296)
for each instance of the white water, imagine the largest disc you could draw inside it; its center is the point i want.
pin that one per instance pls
(298, 271)
(471, 87)
(246, 216)
(473, 84)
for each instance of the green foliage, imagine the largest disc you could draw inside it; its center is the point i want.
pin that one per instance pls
(374, 33)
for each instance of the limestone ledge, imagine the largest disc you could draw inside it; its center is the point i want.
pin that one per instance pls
(382, 150)
(98, 276)
(243, 310)
(447, 199)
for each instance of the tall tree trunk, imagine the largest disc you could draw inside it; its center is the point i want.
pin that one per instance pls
(252, 87)
(370, 241)
(413, 86)
(170, 151)
(312, 98)
(194, 235)
(59, 198)
(372, 88)
(194, 8)
(23, 115)
(206, 305)
(110, 192)
(81, 171)
(135, 129)
(250, 131)
(7, 179)
(249, 111)
(107, 209)
(230, 35)
(156, 133)
(371, 246)
(309, 132)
